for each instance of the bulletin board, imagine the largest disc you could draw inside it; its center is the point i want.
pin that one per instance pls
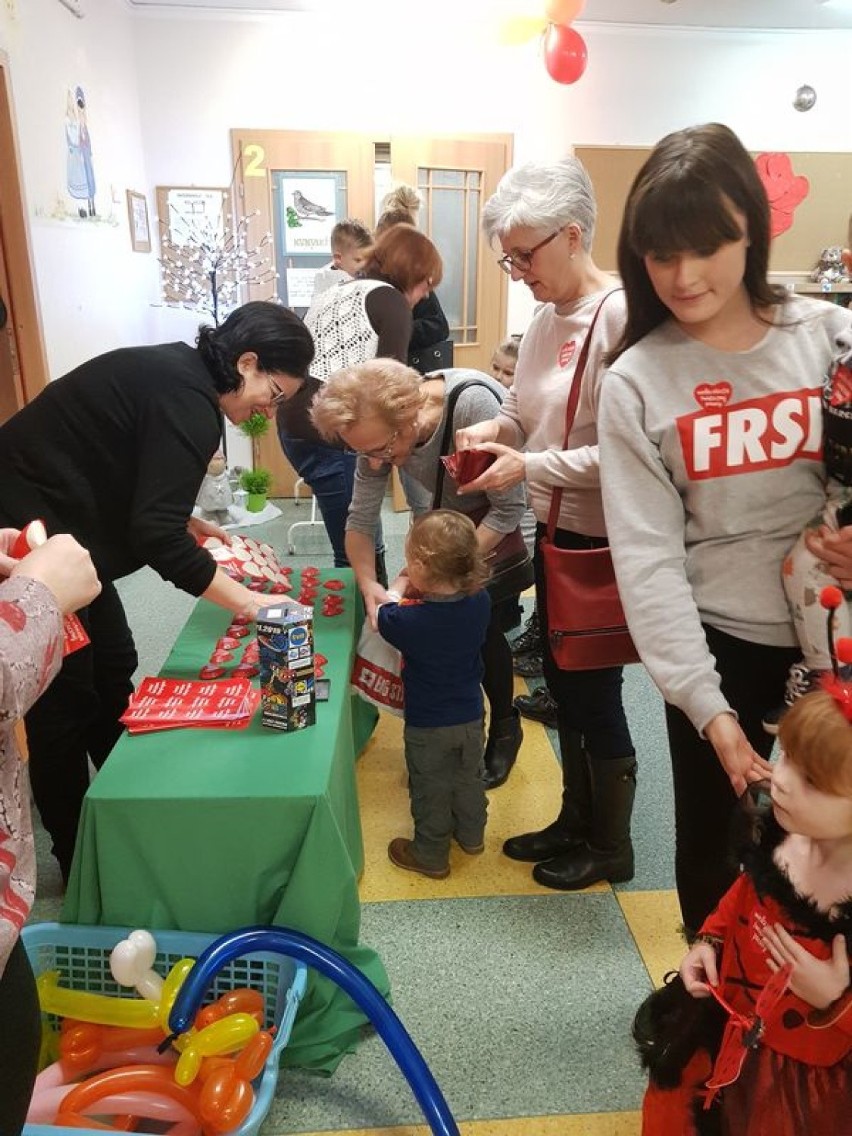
(191, 219)
(822, 219)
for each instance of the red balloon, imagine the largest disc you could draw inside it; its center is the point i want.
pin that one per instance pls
(565, 54)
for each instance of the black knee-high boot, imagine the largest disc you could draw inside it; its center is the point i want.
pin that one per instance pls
(501, 749)
(573, 825)
(608, 855)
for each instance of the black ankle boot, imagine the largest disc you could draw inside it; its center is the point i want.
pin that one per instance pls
(572, 827)
(501, 749)
(529, 641)
(609, 853)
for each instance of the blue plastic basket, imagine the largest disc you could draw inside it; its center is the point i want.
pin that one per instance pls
(81, 956)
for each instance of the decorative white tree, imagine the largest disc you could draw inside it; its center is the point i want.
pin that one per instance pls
(208, 262)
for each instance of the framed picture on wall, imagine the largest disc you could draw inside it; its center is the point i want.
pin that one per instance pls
(137, 212)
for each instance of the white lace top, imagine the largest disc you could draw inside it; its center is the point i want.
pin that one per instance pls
(343, 334)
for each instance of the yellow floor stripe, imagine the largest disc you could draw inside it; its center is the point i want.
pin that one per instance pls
(529, 800)
(654, 920)
(598, 1124)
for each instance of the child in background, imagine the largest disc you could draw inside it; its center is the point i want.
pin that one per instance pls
(804, 574)
(350, 241)
(505, 359)
(440, 634)
(791, 905)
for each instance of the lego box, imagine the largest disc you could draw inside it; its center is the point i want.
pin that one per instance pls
(285, 636)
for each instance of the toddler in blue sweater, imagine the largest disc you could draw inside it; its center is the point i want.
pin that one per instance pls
(439, 628)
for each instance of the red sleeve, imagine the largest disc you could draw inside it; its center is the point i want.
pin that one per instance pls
(718, 923)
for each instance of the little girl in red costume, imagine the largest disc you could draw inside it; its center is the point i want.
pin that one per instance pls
(784, 1064)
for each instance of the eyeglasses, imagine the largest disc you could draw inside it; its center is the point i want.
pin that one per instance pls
(278, 395)
(380, 453)
(522, 261)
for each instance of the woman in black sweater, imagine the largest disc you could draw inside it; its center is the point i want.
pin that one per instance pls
(114, 453)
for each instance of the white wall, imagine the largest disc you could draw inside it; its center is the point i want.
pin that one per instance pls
(95, 292)
(166, 88)
(284, 71)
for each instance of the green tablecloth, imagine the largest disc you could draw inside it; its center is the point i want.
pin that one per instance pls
(213, 830)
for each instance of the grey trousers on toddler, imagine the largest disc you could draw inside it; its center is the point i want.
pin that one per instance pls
(446, 786)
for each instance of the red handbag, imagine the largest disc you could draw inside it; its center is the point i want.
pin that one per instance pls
(586, 626)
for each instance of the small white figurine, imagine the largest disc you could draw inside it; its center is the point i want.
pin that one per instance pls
(215, 496)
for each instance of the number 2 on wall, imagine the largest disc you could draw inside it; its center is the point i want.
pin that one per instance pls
(254, 157)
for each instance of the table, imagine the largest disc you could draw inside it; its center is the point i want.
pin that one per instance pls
(213, 830)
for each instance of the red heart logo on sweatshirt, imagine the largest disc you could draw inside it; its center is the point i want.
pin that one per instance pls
(566, 352)
(12, 615)
(713, 396)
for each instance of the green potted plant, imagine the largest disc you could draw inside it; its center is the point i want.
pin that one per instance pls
(255, 426)
(256, 483)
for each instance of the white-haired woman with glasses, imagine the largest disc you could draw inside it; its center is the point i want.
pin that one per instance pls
(544, 218)
(389, 416)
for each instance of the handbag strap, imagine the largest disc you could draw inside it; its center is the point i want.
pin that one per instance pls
(446, 437)
(571, 410)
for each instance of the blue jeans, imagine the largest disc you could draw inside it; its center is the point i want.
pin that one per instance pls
(330, 473)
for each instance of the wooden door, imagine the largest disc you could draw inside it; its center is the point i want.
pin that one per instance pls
(455, 177)
(261, 157)
(23, 365)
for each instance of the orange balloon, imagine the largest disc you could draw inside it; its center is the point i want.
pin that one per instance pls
(563, 11)
(249, 1064)
(225, 1100)
(240, 1001)
(127, 1079)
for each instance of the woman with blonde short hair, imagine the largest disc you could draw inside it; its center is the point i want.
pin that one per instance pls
(389, 416)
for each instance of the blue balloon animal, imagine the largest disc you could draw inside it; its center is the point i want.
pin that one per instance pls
(279, 940)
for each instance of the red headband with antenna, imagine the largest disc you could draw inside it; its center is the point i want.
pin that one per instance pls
(840, 650)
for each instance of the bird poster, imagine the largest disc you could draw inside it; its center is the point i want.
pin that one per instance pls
(309, 208)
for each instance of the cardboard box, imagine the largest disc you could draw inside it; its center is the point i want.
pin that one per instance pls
(285, 636)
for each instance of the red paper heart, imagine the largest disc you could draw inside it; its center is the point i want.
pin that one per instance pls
(713, 396)
(12, 615)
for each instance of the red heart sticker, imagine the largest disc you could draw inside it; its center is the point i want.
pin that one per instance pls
(566, 352)
(712, 396)
(211, 672)
(12, 615)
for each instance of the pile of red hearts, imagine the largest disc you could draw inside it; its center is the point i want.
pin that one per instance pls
(168, 704)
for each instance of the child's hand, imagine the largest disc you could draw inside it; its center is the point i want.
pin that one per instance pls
(819, 982)
(698, 969)
(401, 584)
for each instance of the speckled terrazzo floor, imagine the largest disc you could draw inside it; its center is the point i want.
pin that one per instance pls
(519, 998)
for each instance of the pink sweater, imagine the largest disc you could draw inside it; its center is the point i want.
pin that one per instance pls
(536, 404)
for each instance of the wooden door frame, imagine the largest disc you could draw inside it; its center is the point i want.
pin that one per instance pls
(24, 313)
(407, 153)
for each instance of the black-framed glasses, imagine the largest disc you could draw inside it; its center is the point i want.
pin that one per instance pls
(278, 395)
(522, 261)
